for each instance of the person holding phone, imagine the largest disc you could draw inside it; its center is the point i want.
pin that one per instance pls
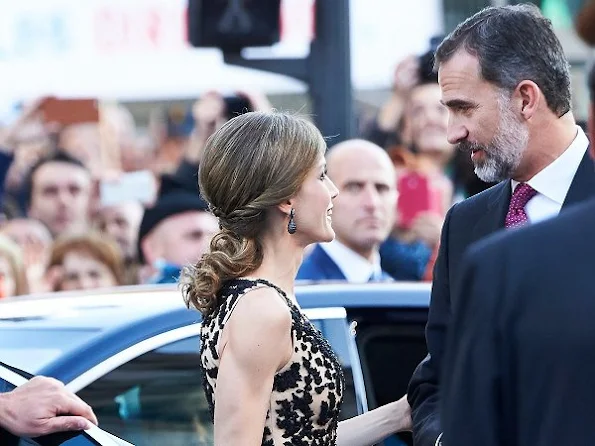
(22, 143)
(209, 113)
(407, 254)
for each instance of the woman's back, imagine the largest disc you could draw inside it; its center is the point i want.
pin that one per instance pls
(307, 391)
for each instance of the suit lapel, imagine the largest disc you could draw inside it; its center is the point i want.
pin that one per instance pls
(493, 218)
(583, 184)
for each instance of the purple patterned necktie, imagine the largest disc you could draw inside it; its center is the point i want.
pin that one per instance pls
(516, 215)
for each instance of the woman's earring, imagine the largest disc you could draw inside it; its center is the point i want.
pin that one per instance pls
(291, 226)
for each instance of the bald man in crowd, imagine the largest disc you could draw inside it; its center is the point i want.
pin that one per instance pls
(363, 215)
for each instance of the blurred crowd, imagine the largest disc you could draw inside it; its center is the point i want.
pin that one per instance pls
(103, 202)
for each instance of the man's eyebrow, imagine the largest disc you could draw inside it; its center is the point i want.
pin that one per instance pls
(458, 103)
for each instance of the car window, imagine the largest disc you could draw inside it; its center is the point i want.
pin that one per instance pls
(33, 349)
(158, 398)
(391, 343)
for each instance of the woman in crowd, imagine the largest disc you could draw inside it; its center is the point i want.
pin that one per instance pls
(84, 261)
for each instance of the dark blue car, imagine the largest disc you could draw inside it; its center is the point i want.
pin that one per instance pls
(132, 353)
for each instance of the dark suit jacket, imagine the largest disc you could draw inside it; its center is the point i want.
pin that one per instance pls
(465, 223)
(520, 362)
(319, 266)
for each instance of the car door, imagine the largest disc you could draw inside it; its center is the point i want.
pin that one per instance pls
(152, 393)
(391, 343)
(10, 378)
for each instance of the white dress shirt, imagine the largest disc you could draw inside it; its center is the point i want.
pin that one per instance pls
(354, 267)
(553, 182)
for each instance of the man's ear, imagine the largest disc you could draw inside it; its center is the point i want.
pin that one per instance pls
(529, 95)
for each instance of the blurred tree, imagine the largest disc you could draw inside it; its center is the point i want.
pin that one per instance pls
(561, 12)
(455, 11)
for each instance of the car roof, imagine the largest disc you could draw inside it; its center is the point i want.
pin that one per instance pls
(101, 323)
(114, 307)
(97, 309)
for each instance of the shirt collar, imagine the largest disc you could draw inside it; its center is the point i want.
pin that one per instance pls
(354, 267)
(554, 181)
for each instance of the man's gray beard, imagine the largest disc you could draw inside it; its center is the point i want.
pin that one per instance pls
(504, 153)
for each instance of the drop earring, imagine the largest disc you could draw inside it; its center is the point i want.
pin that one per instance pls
(291, 226)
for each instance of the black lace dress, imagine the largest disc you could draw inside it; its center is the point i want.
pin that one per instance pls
(307, 393)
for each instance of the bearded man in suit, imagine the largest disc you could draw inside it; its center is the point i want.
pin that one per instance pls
(519, 365)
(506, 84)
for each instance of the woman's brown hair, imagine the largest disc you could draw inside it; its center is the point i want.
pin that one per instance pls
(253, 163)
(95, 245)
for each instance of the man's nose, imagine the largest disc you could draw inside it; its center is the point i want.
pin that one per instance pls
(371, 197)
(455, 132)
(64, 196)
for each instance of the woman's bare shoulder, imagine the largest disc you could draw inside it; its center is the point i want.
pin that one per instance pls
(260, 324)
(265, 306)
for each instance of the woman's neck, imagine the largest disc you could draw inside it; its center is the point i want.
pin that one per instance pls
(281, 261)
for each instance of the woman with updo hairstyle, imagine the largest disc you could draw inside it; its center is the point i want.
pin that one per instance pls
(270, 377)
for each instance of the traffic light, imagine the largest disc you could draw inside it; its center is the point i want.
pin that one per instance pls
(233, 24)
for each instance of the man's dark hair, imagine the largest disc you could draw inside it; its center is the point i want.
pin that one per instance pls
(512, 44)
(57, 156)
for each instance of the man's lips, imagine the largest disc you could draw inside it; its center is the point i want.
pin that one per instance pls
(476, 153)
(370, 222)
